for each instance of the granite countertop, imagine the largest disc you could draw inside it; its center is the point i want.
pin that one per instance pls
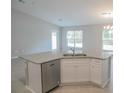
(40, 58)
(102, 57)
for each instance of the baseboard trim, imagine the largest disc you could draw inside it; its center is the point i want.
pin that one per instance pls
(103, 85)
(76, 83)
(86, 83)
(32, 91)
(96, 84)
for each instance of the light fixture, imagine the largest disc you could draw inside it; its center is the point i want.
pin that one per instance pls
(104, 27)
(111, 27)
(108, 27)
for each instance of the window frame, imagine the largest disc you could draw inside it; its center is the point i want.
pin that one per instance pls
(75, 48)
(54, 47)
(109, 40)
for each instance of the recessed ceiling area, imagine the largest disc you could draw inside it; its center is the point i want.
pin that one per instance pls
(67, 12)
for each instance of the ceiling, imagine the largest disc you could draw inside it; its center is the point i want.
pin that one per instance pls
(67, 12)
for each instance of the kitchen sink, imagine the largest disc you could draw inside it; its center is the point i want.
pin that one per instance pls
(68, 54)
(80, 55)
(74, 54)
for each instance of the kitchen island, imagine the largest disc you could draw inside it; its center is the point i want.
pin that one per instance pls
(73, 70)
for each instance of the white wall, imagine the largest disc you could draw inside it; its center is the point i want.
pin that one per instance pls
(92, 39)
(30, 34)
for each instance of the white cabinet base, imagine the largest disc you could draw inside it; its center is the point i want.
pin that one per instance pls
(34, 77)
(74, 70)
(82, 71)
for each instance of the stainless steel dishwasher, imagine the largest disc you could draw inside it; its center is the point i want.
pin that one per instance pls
(50, 75)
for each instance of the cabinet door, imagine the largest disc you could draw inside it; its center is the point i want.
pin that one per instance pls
(67, 71)
(96, 71)
(82, 70)
(74, 70)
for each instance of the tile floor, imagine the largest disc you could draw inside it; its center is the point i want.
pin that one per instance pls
(18, 82)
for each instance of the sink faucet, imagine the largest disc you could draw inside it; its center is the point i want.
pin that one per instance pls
(73, 51)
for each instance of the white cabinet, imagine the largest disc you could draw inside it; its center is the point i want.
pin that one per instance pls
(74, 70)
(99, 71)
(82, 70)
(34, 77)
(67, 71)
(85, 69)
(96, 71)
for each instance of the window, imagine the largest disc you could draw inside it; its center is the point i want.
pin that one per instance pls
(74, 40)
(108, 38)
(54, 40)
